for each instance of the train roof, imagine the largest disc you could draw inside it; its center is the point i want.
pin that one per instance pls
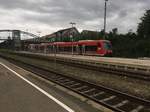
(81, 42)
(94, 41)
(91, 42)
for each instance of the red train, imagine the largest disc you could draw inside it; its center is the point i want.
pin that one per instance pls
(84, 47)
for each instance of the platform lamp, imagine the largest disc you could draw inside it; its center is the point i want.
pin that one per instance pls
(71, 36)
(72, 24)
(105, 11)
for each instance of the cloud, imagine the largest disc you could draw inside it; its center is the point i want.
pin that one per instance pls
(51, 15)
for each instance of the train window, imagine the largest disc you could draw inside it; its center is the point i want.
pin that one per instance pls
(68, 48)
(107, 45)
(91, 48)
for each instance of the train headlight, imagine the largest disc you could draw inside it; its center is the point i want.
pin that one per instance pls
(99, 48)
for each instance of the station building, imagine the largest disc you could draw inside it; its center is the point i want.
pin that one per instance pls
(64, 35)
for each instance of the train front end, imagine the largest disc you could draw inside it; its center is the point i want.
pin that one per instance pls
(105, 48)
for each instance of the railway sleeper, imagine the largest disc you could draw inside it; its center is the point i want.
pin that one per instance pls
(121, 103)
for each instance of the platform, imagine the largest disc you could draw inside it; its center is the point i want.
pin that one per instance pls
(140, 62)
(123, 63)
(20, 91)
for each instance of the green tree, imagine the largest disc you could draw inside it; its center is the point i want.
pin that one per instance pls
(115, 31)
(144, 26)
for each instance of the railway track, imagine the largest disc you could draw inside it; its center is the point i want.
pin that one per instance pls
(112, 99)
(141, 74)
(109, 69)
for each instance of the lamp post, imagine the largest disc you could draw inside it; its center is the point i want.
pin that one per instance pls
(105, 10)
(72, 23)
(71, 36)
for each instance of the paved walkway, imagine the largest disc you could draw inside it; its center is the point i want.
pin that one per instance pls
(17, 95)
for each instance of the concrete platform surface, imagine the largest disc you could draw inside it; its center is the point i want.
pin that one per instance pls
(112, 60)
(18, 96)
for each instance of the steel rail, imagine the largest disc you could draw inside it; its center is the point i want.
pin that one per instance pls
(96, 67)
(85, 88)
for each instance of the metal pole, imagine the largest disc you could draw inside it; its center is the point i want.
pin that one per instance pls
(55, 57)
(54, 48)
(72, 36)
(72, 45)
(72, 24)
(105, 10)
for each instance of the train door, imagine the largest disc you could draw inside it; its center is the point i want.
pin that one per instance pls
(100, 50)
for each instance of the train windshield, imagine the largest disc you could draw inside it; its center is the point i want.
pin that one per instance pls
(107, 45)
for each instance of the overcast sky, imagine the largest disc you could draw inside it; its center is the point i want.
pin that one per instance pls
(48, 16)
